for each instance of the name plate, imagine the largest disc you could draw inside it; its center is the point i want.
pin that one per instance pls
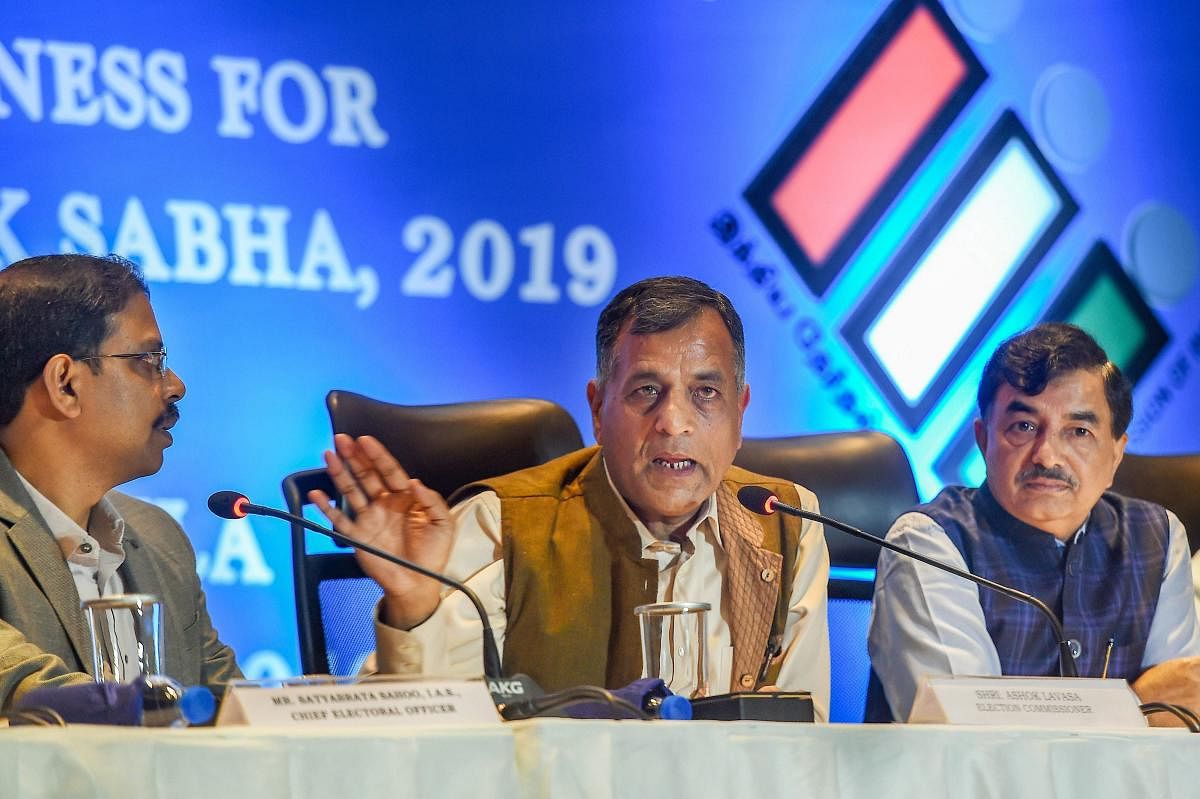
(369, 703)
(1031, 701)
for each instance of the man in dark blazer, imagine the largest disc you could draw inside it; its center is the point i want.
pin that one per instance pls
(86, 404)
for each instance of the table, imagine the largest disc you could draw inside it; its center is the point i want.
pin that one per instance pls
(82, 761)
(565, 758)
(559, 758)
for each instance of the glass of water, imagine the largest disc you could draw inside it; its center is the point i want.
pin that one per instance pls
(125, 626)
(675, 645)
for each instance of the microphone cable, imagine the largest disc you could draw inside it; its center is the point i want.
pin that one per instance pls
(543, 705)
(1186, 715)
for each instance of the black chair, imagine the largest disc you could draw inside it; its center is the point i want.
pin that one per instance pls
(1172, 481)
(334, 600)
(864, 479)
(446, 446)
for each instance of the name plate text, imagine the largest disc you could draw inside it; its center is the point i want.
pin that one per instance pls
(1032, 701)
(360, 704)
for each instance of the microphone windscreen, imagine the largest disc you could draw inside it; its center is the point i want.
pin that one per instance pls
(93, 703)
(638, 693)
(226, 504)
(758, 499)
(198, 705)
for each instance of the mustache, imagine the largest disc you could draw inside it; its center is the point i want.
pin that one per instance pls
(1037, 472)
(169, 416)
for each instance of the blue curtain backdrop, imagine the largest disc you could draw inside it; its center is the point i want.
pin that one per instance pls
(430, 202)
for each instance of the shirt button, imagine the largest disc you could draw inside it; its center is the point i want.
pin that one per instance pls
(746, 681)
(767, 575)
(85, 548)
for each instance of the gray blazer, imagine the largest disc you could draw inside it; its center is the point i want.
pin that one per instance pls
(43, 633)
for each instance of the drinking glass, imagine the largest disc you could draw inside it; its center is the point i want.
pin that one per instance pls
(675, 645)
(103, 615)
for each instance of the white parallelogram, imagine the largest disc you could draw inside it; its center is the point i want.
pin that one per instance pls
(968, 263)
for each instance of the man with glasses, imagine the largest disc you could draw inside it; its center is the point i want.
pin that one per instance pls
(87, 403)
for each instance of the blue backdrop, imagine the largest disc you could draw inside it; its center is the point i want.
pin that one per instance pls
(429, 202)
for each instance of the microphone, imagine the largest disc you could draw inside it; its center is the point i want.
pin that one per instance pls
(148, 701)
(763, 502)
(233, 505)
(90, 703)
(516, 697)
(645, 698)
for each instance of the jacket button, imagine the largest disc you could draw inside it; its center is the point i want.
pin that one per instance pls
(85, 548)
(746, 681)
(767, 575)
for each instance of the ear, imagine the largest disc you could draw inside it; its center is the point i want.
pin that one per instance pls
(595, 398)
(1118, 456)
(743, 401)
(60, 379)
(981, 436)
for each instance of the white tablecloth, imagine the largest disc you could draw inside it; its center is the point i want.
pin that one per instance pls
(84, 761)
(564, 758)
(560, 758)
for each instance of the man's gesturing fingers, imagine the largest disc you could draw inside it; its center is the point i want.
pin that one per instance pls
(382, 465)
(339, 520)
(371, 480)
(369, 462)
(437, 513)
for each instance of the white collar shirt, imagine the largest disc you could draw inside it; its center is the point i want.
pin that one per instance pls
(690, 570)
(94, 557)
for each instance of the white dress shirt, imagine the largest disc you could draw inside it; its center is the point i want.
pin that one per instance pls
(927, 622)
(1196, 578)
(448, 643)
(94, 557)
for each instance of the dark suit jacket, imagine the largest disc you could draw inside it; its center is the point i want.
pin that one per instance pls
(44, 638)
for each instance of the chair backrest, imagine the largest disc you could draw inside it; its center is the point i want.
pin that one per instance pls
(333, 598)
(862, 478)
(446, 446)
(1172, 481)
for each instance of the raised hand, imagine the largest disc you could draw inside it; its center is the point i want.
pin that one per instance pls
(395, 513)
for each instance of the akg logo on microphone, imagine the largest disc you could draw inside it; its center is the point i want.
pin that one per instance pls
(508, 688)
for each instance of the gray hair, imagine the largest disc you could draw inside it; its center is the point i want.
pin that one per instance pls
(658, 304)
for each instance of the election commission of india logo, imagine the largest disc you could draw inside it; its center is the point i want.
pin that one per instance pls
(951, 219)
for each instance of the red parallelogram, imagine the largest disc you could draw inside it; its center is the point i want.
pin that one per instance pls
(848, 162)
(864, 137)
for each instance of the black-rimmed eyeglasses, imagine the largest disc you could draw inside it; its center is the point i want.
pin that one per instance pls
(156, 360)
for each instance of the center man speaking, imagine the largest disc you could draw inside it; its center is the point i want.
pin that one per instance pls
(562, 553)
